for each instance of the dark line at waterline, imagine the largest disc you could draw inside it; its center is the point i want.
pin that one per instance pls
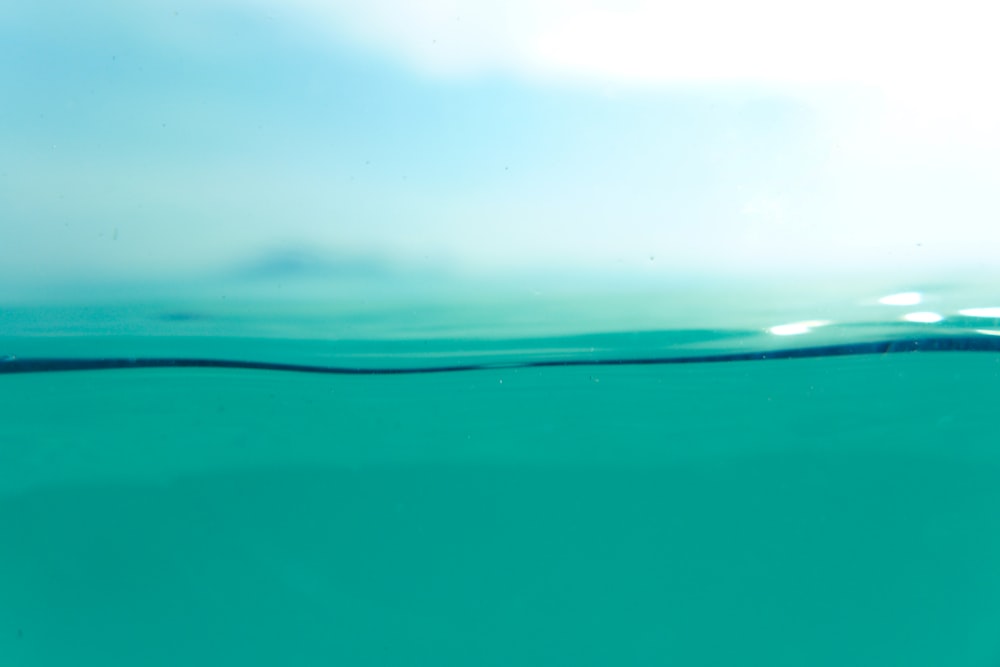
(14, 365)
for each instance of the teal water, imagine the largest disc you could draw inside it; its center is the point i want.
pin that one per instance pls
(824, 511)
(328, 330)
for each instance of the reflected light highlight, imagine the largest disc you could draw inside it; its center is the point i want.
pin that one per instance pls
(923, 318)
(980, 312)
(797, 328)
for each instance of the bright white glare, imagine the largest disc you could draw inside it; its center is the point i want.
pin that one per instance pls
(902, 299)
(988, 332)
(880, 42)
(981, 312)
(930, 64)
(924, 318)
(652, 41)
(797, 328)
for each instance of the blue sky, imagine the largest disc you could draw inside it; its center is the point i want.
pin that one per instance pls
(174, 137)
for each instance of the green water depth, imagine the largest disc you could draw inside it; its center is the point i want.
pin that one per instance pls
(820, 511)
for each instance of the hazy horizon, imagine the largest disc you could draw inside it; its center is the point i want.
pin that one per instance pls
(173, 140)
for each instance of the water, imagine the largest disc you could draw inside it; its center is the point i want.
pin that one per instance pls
(823, 511)
(496, 333)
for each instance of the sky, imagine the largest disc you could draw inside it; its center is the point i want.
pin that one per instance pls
(162, 139)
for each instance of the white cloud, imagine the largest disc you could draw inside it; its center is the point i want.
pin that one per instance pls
(874, 41)
(930, 61)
